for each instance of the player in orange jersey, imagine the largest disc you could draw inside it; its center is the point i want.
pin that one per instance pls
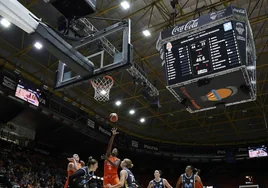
(111, 163)
(198, 184)
(73, 166)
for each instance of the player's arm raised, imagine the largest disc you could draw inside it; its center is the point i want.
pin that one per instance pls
(179, 182)
(110, 145)
(123, 175)
(73, 164)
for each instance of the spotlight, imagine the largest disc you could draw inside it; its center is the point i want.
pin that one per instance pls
(4, 22)
(142, 120)
(132, 112)
(251, 67)
(38, 45)
(103, 92)
(118, 103)
(125, 5)
(146, 33)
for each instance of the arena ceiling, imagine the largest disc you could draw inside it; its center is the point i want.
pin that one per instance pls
(171, 122)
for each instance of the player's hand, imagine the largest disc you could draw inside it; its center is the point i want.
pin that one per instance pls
(82, 163)
(71, 159)
(103, 156)
(109, 185)
(114, 131)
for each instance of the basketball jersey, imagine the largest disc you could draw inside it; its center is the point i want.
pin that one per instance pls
(158, 184)
(70, 172)
(198, 185)
(188, 182)
(108, 168)
(83, 180)
(130, 181)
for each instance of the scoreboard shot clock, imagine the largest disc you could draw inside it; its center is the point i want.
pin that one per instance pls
(210, 61)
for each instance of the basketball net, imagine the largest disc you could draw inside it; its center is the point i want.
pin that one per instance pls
(102, 86)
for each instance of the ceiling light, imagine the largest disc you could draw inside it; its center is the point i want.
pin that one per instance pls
(251, 67)
(253, 82)
(142, 120)
(38, 45)
(146, 33)
(132, 112)
(4, 22)
(118, 103)
(103, 92)
(125, 5)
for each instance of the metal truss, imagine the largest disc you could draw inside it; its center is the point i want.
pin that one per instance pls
(91, 30)
(138, 73)
(135, 70)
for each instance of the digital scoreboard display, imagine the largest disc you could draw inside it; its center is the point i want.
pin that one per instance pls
(209, 51)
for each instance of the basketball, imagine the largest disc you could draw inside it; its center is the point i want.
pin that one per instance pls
(113, 117)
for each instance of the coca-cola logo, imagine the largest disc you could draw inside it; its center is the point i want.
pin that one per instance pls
(239, 11)
(190, 25)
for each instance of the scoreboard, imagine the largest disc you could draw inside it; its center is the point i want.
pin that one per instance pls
(210, 61)
(209, 51)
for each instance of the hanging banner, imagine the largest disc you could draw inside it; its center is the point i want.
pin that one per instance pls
(9, 83)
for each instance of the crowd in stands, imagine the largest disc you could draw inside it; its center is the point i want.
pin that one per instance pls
(20, 167)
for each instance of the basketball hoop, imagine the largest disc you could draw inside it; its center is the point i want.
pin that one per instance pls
(102, 87)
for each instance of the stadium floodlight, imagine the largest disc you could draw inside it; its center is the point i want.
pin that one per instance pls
(118, 103)
(146, 33)
(4, 22)
(142, 120)
(125, 5)
(38, 45)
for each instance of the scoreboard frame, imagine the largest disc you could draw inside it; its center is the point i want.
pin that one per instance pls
(245, 72)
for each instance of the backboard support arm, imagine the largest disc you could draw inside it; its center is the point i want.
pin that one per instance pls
(125, 61)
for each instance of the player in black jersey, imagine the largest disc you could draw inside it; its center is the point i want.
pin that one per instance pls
(82, 177)
(188, 179)
(158, 182)
(127, 179)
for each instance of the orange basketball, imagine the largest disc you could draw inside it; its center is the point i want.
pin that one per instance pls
(113, 117)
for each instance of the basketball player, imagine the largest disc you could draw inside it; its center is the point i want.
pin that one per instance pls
(73, 166)
(198, 184)
(127, 179)
(188, 179)
(111, 163)
(82, 177)
(158, 182)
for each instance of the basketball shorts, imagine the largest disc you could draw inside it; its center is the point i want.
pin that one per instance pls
(110, 179)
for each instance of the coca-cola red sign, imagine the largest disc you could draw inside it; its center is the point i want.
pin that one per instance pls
(189, 25)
